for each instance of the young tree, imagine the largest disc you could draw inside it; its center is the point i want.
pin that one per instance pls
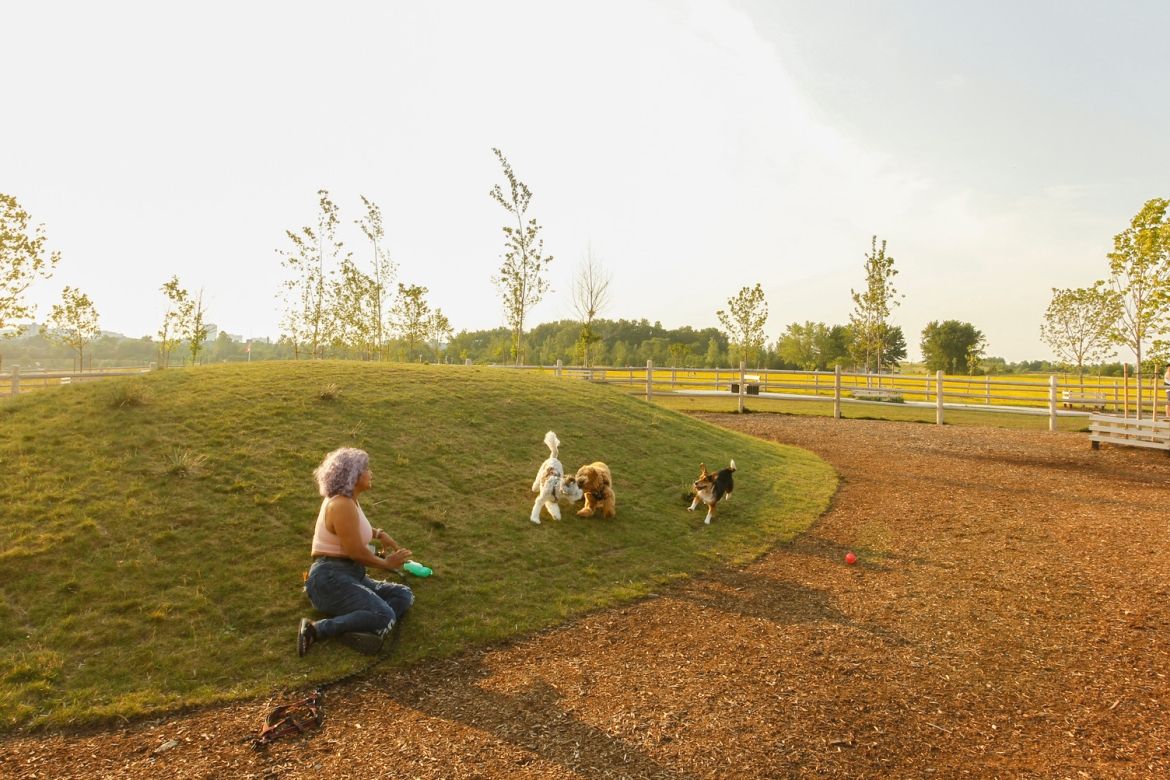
(871, 306)
(439, 330)
(310, 262)
(22, 261)
(194, 326)
(1139, 268)
(383, 274)
(177, 311)
(352, 301)
(520, 279)
(744, 323)
(952, 346)
(412, 317)
(1079, 324)
(590, 296)
(73, 322)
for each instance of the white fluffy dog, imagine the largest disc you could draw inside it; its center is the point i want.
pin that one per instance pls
(551, 484)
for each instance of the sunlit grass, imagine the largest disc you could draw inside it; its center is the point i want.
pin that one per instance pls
(151, 553)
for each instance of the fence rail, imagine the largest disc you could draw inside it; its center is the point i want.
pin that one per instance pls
(1052, 397)
(24, 381)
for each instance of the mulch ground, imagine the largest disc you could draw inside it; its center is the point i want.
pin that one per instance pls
(1008, 617)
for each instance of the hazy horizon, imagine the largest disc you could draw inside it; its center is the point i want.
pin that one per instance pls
(698, 147)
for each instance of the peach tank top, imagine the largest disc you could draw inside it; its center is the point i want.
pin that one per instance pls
(325, 542)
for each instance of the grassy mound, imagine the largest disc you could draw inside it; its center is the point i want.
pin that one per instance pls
(155, 530)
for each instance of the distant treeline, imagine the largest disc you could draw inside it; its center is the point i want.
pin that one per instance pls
(618, 343)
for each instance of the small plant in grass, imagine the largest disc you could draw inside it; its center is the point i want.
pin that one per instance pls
(184, 463)
(127, 394)
(329, 392)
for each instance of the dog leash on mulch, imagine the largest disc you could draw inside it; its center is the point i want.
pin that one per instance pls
(309, 713)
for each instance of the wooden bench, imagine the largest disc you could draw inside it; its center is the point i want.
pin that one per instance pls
(875, 394)
(751, 384)
(1128, 431)
(1070, 399)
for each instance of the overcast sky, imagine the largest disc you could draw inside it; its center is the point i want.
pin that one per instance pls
(698, 147)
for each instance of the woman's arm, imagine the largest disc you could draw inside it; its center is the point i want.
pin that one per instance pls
(384, 538)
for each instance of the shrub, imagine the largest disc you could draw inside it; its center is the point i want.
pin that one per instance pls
(184, 463)
(125, 394)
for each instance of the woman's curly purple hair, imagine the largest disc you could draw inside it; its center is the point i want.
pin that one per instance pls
(339, 472)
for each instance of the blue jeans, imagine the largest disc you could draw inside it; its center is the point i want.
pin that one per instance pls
(341, 589)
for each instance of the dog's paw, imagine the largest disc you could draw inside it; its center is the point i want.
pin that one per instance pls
(690, 509)
(535, 520)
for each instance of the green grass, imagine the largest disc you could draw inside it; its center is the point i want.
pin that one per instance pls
(873, 411)
(154, 532)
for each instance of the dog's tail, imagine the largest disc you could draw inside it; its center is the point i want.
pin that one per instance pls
(732, 466)
(551, 440)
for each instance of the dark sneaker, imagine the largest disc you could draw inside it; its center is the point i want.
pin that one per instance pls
(365, 643)
(306, 636)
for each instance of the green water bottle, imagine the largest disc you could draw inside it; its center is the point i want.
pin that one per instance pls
(417, 569)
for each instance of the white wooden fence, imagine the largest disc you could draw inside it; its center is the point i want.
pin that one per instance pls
(1053, 398)
(22, 381)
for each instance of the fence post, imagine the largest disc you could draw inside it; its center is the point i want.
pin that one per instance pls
(938, 398)
(742, 388)
(557, 371)
(837, 391)
(649, 380)
(15, 379)
(1052, 402)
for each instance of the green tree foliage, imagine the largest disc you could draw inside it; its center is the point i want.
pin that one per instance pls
(802, 345)
(620, 343)
(170, 333)
(194, 327)
(815, 346)
(1079, 324)
(73, 322)
(590, 296)
(836, 349)
(952, 346)
(871, 307)
(23, 260)
(351, 305)
(1139, 268)
(743, 321)
(893, 350)
(416, 323)
(312, 258)
(383, 273)
(714, 352)
(520, 280)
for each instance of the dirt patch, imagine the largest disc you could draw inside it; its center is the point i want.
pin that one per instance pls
(1008, 617)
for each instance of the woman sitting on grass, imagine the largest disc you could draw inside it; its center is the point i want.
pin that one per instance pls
(362, 611)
